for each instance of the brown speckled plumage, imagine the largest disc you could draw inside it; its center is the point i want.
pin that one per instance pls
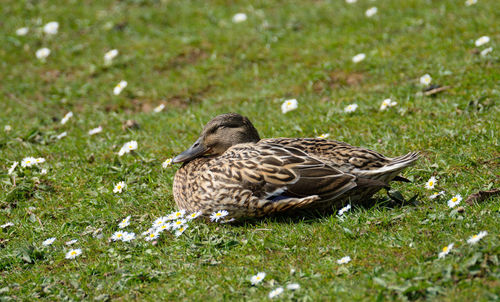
(229, 169)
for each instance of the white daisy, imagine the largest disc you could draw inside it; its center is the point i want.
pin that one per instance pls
(275, 292)
(474, 239)
(48, 241)
(42, 53)
(344, 260)
(166, 163)
(216, 216)
(64, 134)
(387, 103)
(71, 242)
(39, 160)
(127, 147)
(109, 56)
(51, 28)
(436, 194)
(371, 12)
(431, 183)
(160, 221)
(293, 286)
(486, 51)
(240, 17)
(344, 209)
(124, 223)
(28, 162)
(6, 225)
(149, 231)
(454, 200)
(43, 171)
(481, 41)
(12, 168)
(176, 215)
(95, 130)
(118, 235)
(72, 254)
(164, 227)
(289, 105)
(66, 117)
(181, 230)
(446, 250)
(358, 58)
(119, 187)
(258, 278)
(22, 31)
(351, 108)
(193, 215)
(324, 135)
(227, 220)
(119, 87)
(178, 223)
(470, 2)
(351, 1)
(152, 236)
(159, 108)
(425, 79)
(7, 128)
(128, 237)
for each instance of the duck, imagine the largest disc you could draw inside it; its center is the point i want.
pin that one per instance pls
(230, 168)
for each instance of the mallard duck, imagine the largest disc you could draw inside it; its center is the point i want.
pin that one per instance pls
(230, 168)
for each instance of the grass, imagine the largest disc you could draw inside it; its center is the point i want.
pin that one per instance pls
(191, 57)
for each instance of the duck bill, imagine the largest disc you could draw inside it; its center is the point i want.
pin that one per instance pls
(197, 149)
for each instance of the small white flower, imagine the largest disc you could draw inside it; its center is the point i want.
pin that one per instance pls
(118, 235)
(387, 103)
(344, 260)
(43, 171)
(166, 163)
(216, 216)
(181, 230)
(39, 160)
(470, 2)
(64, 134)
(6, 225)
(474, 239)
(128, 237)
(351, 1)
(42, 53)
(344, 209)
(7, 128)
(425, 79)
(95, 130)
(13, 167)
(486, 51)
(178, 223)
(431, 183)
(289, 105)
(109, 56)
(481, 41)
(160, 221)
(351, 108)
(48, 241)
(28, 162)
(446, 250)
(324, 135)
(240, 17)
(152, 236)
(193, 215)
(51, 28)
(293, 286)
(22, 31)
(371, 12)
(119, 87)
(358, 58)
(72, 254)
(119, 187)
(71, 242)
(258, 278)
(159, 108)
(436, 194)
(164, 227)
(454, 200)
(127, 147)
(66, 117)
(149, 231)
(176, 215)
(125, 222)
(275, 292)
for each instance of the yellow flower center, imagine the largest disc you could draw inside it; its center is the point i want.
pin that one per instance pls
(73, 253)
(454, 199)
(431, 183)
(119, 235)
(152, 235)
(177, 214)
(218, 214)
(475, 236)
(445, 249)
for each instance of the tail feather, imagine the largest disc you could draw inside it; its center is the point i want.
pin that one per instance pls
(392, 169)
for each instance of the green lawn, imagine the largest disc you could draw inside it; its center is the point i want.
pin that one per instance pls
(191, 57)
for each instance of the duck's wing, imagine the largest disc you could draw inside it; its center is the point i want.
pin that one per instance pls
(276, 172)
